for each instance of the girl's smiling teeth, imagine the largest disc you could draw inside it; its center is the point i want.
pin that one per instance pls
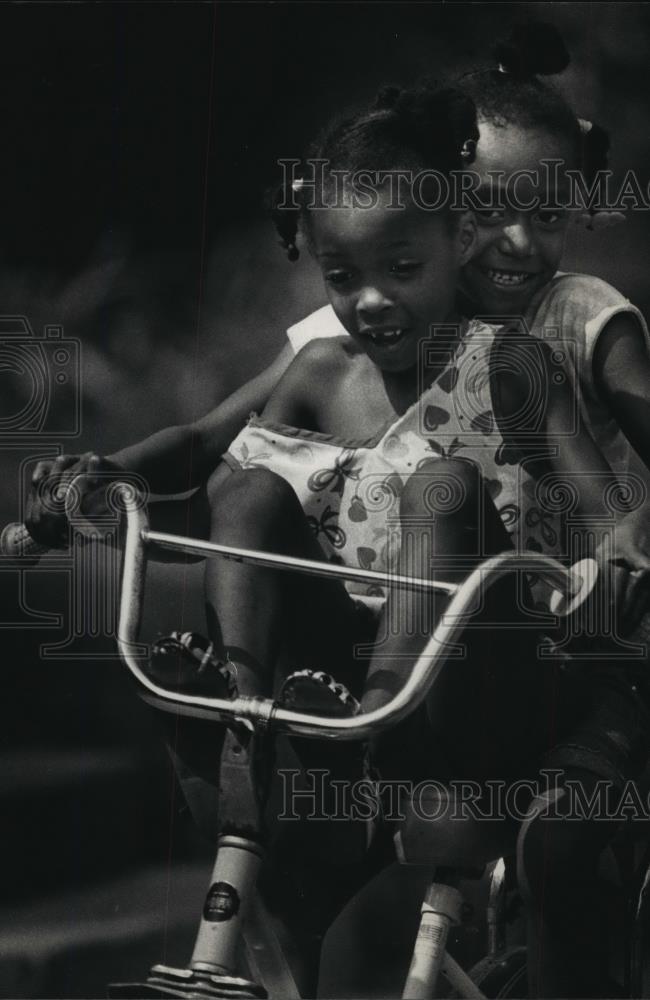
(507, 278)
(385, 335)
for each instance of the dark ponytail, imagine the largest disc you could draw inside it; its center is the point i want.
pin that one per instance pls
(285, 216)
(595, 149)
(421, 128)
(533, 48)
(511, 92)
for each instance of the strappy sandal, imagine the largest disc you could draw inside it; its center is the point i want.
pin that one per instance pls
(318, 692)
(186, 661)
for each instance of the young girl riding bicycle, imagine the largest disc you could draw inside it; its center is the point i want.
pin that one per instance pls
(379, 410)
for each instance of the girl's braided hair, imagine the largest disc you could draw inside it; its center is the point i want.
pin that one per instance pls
(422, 128)
(511, 92)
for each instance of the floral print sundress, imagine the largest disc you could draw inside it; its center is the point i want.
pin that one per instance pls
(350, 489)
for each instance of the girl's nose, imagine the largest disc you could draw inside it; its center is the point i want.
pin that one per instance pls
(517, 239)
(372, 301)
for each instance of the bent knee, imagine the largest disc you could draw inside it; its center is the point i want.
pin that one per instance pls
(442, 487)
(555, 849)
(249, 490)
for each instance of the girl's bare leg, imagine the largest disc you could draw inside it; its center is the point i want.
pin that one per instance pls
(251, 610)
(478, 704)
(567, 906)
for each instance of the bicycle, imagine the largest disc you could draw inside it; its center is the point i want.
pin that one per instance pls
(236, 953)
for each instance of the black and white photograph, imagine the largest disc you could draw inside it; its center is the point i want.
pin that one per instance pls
(325, 500)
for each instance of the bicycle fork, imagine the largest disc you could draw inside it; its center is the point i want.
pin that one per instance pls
(212, 970)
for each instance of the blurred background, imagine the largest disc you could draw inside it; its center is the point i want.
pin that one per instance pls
(138, 141)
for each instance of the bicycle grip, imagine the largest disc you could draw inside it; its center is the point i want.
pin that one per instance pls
(16, 540)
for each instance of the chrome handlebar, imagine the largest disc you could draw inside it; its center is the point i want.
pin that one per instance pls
(573, 586)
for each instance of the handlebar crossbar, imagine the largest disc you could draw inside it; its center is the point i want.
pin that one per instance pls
(572, 587)
(309, 567)
(564, 580)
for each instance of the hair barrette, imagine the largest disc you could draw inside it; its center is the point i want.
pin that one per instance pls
(468, 149)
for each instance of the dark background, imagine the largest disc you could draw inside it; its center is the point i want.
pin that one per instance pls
(137, 143)
(139, 139)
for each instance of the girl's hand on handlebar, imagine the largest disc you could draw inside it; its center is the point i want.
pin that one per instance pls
(46, 518)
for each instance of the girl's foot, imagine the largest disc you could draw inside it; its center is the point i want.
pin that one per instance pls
(318, 692)
(185, 661)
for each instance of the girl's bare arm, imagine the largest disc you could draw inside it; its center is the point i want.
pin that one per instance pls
(541, 416)
(180, 458)
(621, 369)
(313, 373)
(173, 460)
(579, 468)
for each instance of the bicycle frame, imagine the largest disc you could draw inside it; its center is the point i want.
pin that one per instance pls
(211, 970)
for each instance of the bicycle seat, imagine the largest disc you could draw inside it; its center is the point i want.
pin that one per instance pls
(441, 829)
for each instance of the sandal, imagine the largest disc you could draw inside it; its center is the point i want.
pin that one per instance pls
(318, 692)
(185, 661)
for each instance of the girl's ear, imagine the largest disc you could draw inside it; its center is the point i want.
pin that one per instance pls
(466, 237)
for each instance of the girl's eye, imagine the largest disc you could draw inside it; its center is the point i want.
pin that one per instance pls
(489, 216)
(550, 218)
(405, 268)
(338, 277)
